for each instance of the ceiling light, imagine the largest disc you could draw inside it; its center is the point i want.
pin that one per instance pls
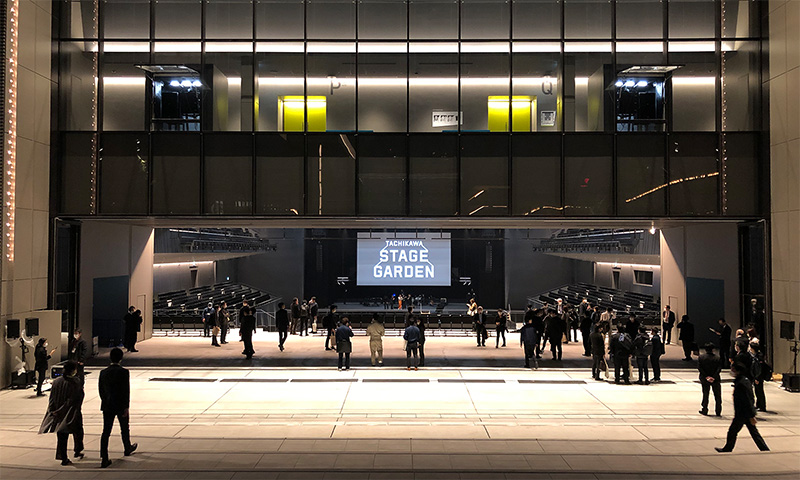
(618, 83)
(630, 83)
(175, 83)
(198, 83)
(641, 83)
(186, 83)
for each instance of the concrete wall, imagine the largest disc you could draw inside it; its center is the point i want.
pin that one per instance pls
(24, 280)
(110, 250)
(169, 277)
(603, 276)
(784, 125)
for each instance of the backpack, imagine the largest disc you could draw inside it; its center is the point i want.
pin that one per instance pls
(755, 368)
(766, 371)
(648, 348)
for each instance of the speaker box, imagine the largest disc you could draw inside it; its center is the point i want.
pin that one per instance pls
(32, 327)
(57, 371)
(12, 328)
(791, 382)
(22, 380)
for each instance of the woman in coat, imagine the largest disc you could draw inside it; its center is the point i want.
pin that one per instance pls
(64, 415)
(41, 356)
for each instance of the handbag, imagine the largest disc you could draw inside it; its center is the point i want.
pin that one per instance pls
(215, 330)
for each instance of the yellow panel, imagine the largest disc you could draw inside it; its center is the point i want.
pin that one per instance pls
(498, 113)
(317, 114)
(292, 111)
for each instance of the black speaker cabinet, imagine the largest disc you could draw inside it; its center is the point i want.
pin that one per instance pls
(12, 328)
(57, 371)
(32, 327)
(22, 380)
(791, 382)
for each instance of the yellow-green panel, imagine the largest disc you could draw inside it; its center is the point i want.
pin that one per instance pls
(317, 114)
(498, 106)
(294, 108)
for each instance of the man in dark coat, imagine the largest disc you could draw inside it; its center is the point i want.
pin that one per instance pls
(128, 321)
(247, 329)
(554, 328)
(114, 385)
(213, 321)
(64, 415)
(282, 324)
(598, 346)
(586, 330)
(686, 337)
(620, 347)
(329, 322)
(528, 340)
(208, 315)
(480, 327)
(709, 366)
(79, 352)
(538, 325)
(223, 320)
(724, 333)
(343, 345)
(132, 329)
(744, 409)
(655, 357)
(41, 356)
(668, 323)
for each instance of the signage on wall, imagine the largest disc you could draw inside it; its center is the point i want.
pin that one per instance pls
(446, 119)
(548, 119)
(403, 262)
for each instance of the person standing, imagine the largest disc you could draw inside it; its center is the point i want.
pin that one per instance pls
(343, 344)
(709, 366)
(79, 352)
(41, 356)
(668, 321)
(723, 331)
(313, 312)
(538, 325)
(598, 345)
(762, 373)
(135, 329)
(295, 318)
(247, 328)
(304, 318)
(500, 327)
(208, 314)
(528, 340)
(554, 330)
(224, 322)
(282, 324)
(64, 415)
(130, 329)
(574, 323)
(655, 357)
(586, 329)
(422, 327)
(632, 326)
(621, 351)
(642, 349)
(411, 336)
(329, 324)
(375, 332)
(472, 307)
(480, 326)
(114, 385)
(744, 412)
(686, 336)
(409, 316)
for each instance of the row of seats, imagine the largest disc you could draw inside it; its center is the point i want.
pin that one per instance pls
(621, 301)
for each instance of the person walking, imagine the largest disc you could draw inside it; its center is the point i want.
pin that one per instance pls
(480, 327)
(621, 351)
(744, 411)
(709, 366)
(411, 336)
(343, 344)
(554, 331)
(642, 349)
(500, 327)
(224, 322)
(129, 337)
(295, 318)
(214, 323)
(208, 314)
(41, 356)
(538, 325)
(282, 324)
(723, 331)
(667, 322)
(64, 415)
(655, 357)
(114, 386)
(247, 328)
(598, 345)
(329, 323)
(686, 336)
(79, 352)
(375, 332)
(528, 341)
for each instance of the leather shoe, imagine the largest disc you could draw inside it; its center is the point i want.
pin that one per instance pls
(105, 463)
(721, 449)
(78, 455)
(64, 463)
(130, 451)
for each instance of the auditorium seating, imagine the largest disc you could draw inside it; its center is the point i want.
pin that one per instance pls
(182, 309)
(623, 302)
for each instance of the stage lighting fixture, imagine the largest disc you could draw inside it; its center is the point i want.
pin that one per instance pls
(174, 83)
(618, 84)
(186, 83)
(630, 83)
(197, 83)
(642, 83)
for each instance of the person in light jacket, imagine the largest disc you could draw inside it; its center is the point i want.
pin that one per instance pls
(375, 332)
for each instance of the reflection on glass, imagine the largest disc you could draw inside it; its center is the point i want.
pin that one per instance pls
(126, 19)
(279, 174)
(229, 19)
(382, 175)
(77, 175)
(433, 92)
(78, 19)
(382, 92)
(536, 19)
(587, 105)
(332, 76)
(381, 19)
(280, 75)
(485, 86)
(587, 19)
(178, 18)
(123, 92)
(693, 174)
(229, 76)
(176, 173)
(640, 175)
(740, 154)
(433, 175)
(228, 178)
(484, 175)
(432, 19)
(740, 86)
(588, 175)
(693, 92)
(691, 18)
(331, 19)
(123, 173)
(536, 175)
(77, 88)
(278, 19)
(740, 19)
(640, 18)
(485, 19)
(536, 77)
(331, 172)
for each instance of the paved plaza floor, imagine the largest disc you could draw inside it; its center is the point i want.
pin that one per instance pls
(255, 422)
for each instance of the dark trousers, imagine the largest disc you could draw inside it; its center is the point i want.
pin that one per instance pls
(61, 445)
(214, 339)
(481, 335)
(587, 344)
(530, 352)
(346, 357)
(500, 332)
(223, 332)
(328, 337)
(422, 353)
(687, 349)
(597, 366)
(283, 335)
(667, 332)
(40, 373)
(621, 363)
(248, 344)
(641, 364)
(129, 340)
(555, 345)
(736, 427)
(717, 389)
(206, 328)
(724, 358)
(409, 352)
(108, 424)
(304, 326)
(655, 361)
(574, 329)
(538, 342)
(761, 399)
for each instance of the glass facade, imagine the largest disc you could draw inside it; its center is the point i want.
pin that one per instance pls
(580, 108)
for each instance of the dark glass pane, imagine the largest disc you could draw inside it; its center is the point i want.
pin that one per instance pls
(78, 19)
(587, 79)
(381, 19)
(331, 80)
(279, 174)
(77, 89)
(485, 19)
(433, 173)
(126, 19)
(693, 174)
(587, 19)
(229, 76)
(741, 88)
(76, 175)
(588, 175)
(694, 92)
(229, 19)
(176, 173)
(535, 82)
(123, 173)
(537, 19)
(536, 175)
(382, 92)
(741, 173)
(740, 18)
(331, 174)
(382, 175)
(278, 19)
(640, 19)
(691, 18)
(178, 18)
(433, 19)
(640, 175)
(228, 174)
(124, 91)
(331, 19)
(429, 97)
(279, 75)
(484, 175)
(484, 92)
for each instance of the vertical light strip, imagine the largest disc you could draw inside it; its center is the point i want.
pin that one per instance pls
(95, 92)
(10, 153)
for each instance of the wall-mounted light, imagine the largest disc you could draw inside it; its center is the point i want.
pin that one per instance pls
(10, 150)
(652, 229)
